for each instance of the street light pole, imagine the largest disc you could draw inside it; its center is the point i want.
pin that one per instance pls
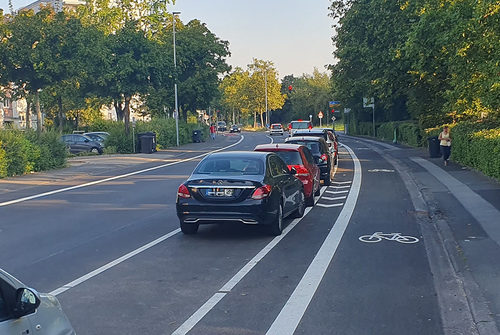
(175, 81)
(265, 84)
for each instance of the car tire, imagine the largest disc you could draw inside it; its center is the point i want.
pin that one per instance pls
(310, 200)
(301, 207)
(277, 226)
(189, 228)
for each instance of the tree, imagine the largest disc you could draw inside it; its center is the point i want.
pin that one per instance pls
(260, 72)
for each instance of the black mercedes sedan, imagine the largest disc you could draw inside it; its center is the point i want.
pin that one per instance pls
(240, 186)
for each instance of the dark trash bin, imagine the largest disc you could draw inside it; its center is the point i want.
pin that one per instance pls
(152, 137)
(434, 148)
(146, 144)
(197, 136)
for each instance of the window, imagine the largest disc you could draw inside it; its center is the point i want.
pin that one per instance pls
(4, 310)
(309, 156)
(277, 166)
(290, 157)
(233, 165)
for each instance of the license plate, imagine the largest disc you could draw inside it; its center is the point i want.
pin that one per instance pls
(220, 192)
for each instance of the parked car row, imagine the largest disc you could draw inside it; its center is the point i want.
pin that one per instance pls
(258, 187)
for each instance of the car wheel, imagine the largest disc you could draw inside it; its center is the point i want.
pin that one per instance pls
(277, 226)
(327, 181)
(301, 206)
(310, 200)
(94, 150)
(189, 228)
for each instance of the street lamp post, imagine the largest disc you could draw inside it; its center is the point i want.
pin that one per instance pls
(265, 84)
(175, 81)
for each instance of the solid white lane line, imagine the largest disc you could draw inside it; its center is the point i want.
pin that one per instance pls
(113, 263)
(337, 192)
(331, 205)
(193, 320)
(45, 194)
(288, 319)
(336, 198)
(272, 139)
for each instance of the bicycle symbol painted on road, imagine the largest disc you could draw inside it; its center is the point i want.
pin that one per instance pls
(379, 236)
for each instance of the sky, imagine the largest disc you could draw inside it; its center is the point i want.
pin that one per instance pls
(294, 34)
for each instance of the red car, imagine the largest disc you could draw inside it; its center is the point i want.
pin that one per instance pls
(300, 158)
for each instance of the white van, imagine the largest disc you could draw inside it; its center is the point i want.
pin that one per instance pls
(25, 311)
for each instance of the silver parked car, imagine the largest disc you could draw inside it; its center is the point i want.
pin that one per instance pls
(25, 311)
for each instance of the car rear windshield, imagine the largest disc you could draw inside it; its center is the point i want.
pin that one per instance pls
(300, 125)
(311, 145)
(231, 166)
(276, 126)
(290, 157)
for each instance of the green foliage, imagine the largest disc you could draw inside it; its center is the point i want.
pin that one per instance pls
(477, 145)
(25, 152)
(3, 162)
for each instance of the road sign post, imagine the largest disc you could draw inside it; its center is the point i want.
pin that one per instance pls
(370, 103)
(320, 116)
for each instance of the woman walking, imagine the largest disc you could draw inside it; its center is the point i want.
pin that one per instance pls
(445, 144)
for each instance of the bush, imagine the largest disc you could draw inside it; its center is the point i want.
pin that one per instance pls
(25, 152)
(3, 162)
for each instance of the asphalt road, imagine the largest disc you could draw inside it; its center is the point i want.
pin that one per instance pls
(103, 236)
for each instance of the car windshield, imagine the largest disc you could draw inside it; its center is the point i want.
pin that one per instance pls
(311, 145)
(300, 125)
(290, 157)
(230, 166)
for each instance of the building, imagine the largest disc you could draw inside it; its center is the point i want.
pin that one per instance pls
(57, 4)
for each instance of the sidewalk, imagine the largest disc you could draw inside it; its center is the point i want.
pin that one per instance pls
(83, 169)
(464, 206)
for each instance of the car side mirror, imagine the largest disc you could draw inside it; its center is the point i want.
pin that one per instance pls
(27, 301)
(293, 171)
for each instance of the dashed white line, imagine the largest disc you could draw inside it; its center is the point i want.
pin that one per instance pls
(347, 186)
(331, 205)
(337, 192)
(336, 198)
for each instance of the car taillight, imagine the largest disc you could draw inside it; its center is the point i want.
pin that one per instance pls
(262, 192)
(301, 171)
(323, 158)
(183, 192)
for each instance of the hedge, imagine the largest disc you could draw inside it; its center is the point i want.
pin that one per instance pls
(165, 131)
(24, 152)
(474, 144)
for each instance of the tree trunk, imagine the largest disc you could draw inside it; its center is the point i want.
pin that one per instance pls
(261, 119)
(38, 113)
(118, 110)
(28, 114)
(126, 114)
(60, 114)
(255, 119)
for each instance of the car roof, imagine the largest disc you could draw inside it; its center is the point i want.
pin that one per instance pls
(310, 131)
(279, 147)
(230, 154)
(304, 138)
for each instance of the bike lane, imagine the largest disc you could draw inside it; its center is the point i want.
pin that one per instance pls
(384, 287)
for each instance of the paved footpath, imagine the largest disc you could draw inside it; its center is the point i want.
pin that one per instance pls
(462, 206)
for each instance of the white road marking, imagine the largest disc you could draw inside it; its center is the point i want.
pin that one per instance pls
(193, 320)
(337, 192)
(111, 264)
(347, 186)
(336, 198)
(288, 319)
(342, 182)
(272, 139)
(380, 170)
(331, 205)
(95, 182)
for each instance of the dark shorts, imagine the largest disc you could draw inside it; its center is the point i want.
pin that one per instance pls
(445, 150)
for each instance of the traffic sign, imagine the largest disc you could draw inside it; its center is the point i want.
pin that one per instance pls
(333, 103)
(320, 114)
